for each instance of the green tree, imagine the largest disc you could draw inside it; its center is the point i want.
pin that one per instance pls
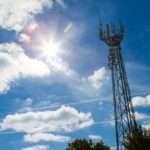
(83, 144)
(100, 146)
(137, 140)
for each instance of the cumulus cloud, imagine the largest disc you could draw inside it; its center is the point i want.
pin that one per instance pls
(141, 101)
(20, 12)
(37, 147)
(95, 137)
(34, 138)
(141, 116)
(97, 77)
(90, 85)
(14, 63)
(65, 119)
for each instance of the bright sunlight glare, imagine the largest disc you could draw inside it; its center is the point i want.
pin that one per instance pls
(50, 49)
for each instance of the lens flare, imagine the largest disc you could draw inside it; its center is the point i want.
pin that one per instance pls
(69, 26)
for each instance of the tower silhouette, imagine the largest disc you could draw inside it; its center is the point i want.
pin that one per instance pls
(123, 108)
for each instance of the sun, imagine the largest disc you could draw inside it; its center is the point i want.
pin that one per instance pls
(50, 49)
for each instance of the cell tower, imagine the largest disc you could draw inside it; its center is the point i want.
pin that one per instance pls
(123, 109)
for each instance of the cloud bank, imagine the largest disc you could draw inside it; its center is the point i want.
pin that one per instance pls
(20, 12)
(37, 147)
(34, 138)
(65, 119)
(141, 116)
(139, 101)
(14, 64)
(37, 125)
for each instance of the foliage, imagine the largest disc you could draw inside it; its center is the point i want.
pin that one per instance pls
(137, 140)
(83, 144)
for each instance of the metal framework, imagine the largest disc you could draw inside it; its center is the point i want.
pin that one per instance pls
(123, 109)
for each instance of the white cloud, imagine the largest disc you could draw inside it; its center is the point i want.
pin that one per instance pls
(61, 2)
(65, 119)
(45, 137)
(24, 37)
(31, 27)
(141, 116)
(25, 109)
(97, 78)
(145, 119)
(95, 137)
(28, 101)
(59, 66)
(113, 148)
(146, 125)
(37, 147)
(14, 63)
(20, 12)
(90, 85)
(141, 101)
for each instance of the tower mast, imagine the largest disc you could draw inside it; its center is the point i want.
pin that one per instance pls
(123, 108)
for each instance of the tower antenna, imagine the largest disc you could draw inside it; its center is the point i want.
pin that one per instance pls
(100, 23)
(123, 108)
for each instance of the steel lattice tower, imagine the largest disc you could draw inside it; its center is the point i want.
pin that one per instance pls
(123, 109)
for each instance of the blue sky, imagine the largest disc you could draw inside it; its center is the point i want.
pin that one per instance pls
(55, 84)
